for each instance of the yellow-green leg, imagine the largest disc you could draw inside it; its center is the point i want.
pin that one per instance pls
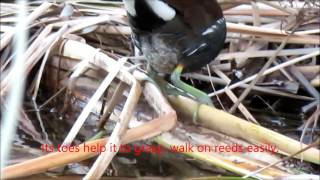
(199, 95)
(162, 84)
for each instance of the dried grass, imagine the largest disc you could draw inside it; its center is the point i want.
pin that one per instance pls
(71, 43)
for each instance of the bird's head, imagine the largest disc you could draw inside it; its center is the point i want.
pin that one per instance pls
(148, 15)
(157, 8)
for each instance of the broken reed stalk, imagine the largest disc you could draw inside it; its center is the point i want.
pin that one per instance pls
(223, 122)
(14, 100)
(268, 71)
(94, 99)
(312, 119)
(165, 122)
(199, 145)
(42, 9)
(316, 81)
(255, 88)
(262, 12)
(260, 74)
(59, 159)
(116, 138)
(106, 157)
(263, 34)
(234, 98)
(272, 34)
(265, 53)
(34, 53)
(315, 144)
(116, 97)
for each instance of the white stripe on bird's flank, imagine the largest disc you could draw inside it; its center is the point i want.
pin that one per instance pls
(213, 28)
(129, 5)
(161, 9)
(196, 49)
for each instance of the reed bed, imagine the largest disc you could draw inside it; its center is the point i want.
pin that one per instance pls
(84, 87)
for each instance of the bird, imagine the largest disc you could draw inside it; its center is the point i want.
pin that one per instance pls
(178, 36)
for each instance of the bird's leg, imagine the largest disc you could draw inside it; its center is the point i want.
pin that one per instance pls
(199, 95)
(163, 85)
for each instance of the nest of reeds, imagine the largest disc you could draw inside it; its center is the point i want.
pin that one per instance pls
(71, 86)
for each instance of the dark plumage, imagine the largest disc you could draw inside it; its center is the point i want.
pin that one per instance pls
(177, 36)
(192, 37)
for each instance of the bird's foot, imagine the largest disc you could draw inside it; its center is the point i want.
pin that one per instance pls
(203, 98)
(195, 115)
(197, 94)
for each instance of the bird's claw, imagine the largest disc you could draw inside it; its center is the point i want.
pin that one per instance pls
(202, 100)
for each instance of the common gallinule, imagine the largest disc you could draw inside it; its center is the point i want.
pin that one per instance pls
(178, 36)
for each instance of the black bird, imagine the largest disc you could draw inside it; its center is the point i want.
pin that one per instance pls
(177, 36)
